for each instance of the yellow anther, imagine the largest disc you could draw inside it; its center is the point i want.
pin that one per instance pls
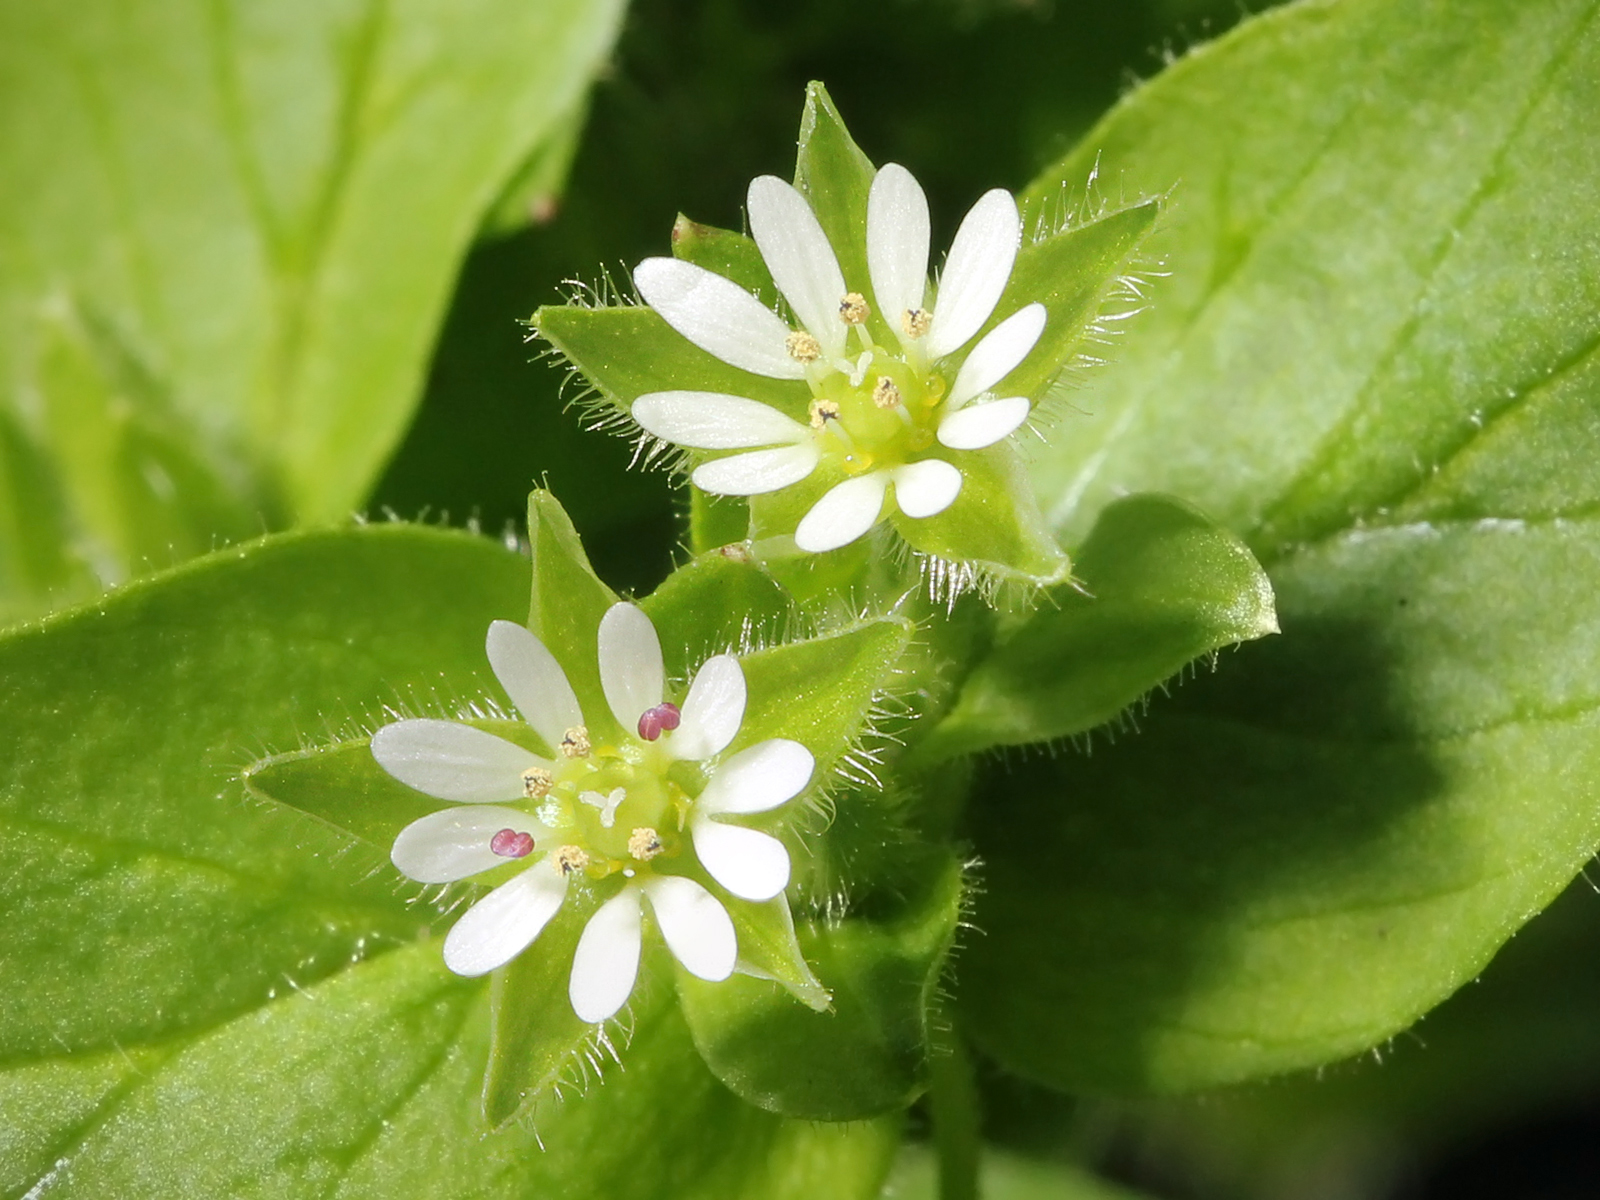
(571, 858)
(853, 308)
(802, 347)
(915, 322)
(645, 844)
(823, 411)
(537, 782)
(885, 394)
(575, 742)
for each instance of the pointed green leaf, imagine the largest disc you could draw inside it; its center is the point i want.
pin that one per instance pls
(820, 692)
(1071, 273)
(1391, 398)
(866, 1054)
(994, 524)
(625, 351)
(727, 253)
(1161, 587)
(716, 604)
(716, 521)
(835, 176)
(769, 947)
(568, 602)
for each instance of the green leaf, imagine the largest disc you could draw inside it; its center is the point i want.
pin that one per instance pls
(728, 254)
(568, 602)
(238, 232)
(867, 1053)
(1003, 1175)
(1376, 361)
(227, 999)
(716, 604)
(1162, 586)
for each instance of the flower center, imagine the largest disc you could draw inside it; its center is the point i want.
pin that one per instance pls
(886, 418)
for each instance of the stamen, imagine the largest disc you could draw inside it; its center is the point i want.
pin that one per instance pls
(823, 411)
(853, 308)
(886, 394)
(537, 782)
(508, 843)
(663, 718)
(575, 742)
(915, 322)
(645, 844)
(570, 858)
(802, 347)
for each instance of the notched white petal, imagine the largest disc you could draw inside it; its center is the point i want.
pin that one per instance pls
(897, 243)
(758, 778)
(999, 353)
(504, 923)
(453, 843)
(924, 488)
(452, 761)
(717, 315)
(712, 711)
(607, 959)
(845, 512)
(980, 425)
(715, 421)
(631, 671)
(800, 258)
(758, 472)
(534, 680)
(750, 864)
(696, 927)
(976, 272)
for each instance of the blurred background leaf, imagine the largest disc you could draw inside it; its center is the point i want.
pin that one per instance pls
(230, 231)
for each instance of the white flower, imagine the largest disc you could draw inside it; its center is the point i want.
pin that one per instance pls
(882, 415)
(598, 812)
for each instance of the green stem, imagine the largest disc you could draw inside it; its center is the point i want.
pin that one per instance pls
(953, 1105)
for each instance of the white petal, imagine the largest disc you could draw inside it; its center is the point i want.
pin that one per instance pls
(997, 355)
(750, 864)
(754, 780)
(453, 761)
(758, 472)
(718, 315)
(534, 680)
(976, 272)
(800, 259)
(504, 923)
(454, 843)
(847, 511)
(712, 711)
(924, 488)
(631, 672)
(714, 421)
(697, 928)
(607, 959)
(980, 425)
(897, 242)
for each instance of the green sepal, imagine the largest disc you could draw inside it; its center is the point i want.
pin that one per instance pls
(534, 1035)
(715, 604)
(729, 254)
(769, 948)
(567, 603)
(994, 524)
(716, 521)
(1070, 273)
(835, 176)
(820, 692)
(1161, 586)
(627, 350)
(866, 1054)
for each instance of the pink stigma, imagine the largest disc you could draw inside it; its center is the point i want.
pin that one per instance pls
(508, 843)
(663, 718)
